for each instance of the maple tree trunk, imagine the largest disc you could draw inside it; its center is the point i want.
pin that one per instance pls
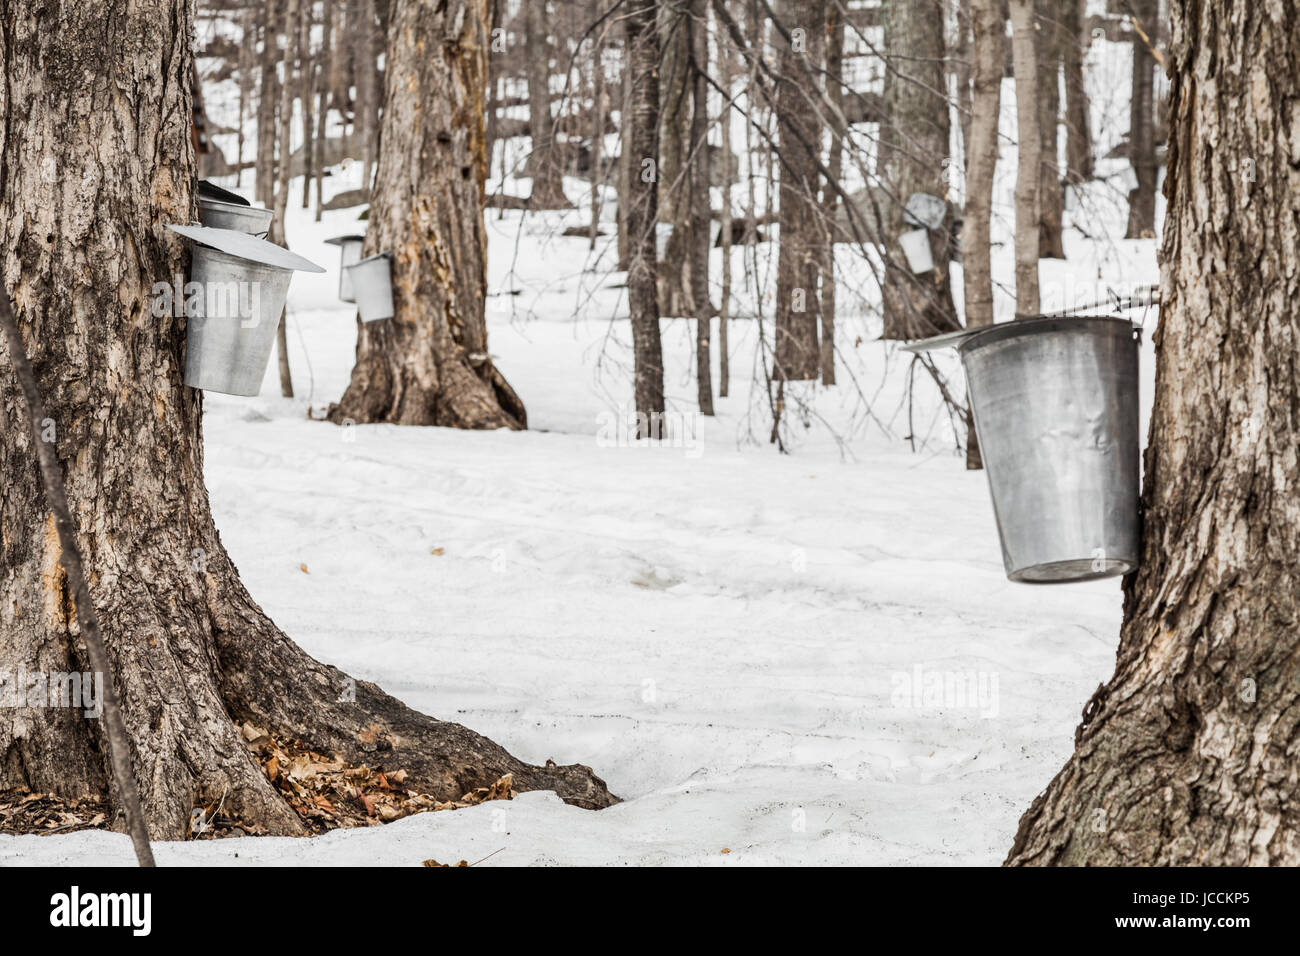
(797, 352)
(1051, 198)
(831, 198)
(1078, 113)
(548, 183)
(700, 218)
(988, 28)
(641, 143)
(193, 652)
(1187, 754)
(429, 364)
(915, 154)
(1028, 155)
(1142, 127)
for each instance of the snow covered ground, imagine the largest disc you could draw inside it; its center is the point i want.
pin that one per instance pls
(798, 659)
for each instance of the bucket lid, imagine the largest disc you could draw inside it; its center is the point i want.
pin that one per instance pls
(210, 190)
(340, 240)
(241, 244)
(362, 262)
(1028, 324)
(925, 210)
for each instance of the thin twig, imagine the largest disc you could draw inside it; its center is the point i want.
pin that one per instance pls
(70, 557)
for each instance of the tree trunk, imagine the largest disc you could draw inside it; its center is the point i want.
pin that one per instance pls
(1187, 755)
(725, 67)
(989, 31)
(1051, 198)
(289, 27)
(830, 197)
(700, 217)
(916, 154)
(429, 364)
(1141, 136)
(642, 144)
(675, 199)
(798, 354)
(324, 81)
(267, 97)
(625, 172)
(193, 652)
(548, 182)
(1028, 155)
(1078, 113)
(307, 70)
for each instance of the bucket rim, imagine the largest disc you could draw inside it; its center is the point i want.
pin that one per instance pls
(340, 240)
(222, 205)
(362, 262)
(962, 339)
(233, 242)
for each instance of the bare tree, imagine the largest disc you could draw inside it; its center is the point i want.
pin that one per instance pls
(192, 653)
(1028, 153)
(988, 25)
(641, 142)
(1051, 200)
(915, 153)
(1078, 113)
(830, 197)
(1186, 755)
(700, 217)
(543, 164)
(799, 54)
(1141, 136)
(429, 364)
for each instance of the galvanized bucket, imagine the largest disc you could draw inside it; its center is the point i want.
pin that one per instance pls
(1055, 402)
(372, 284)
(231, 327)
(228, 215)
(916, 247)
(229, 340)
(349, 254)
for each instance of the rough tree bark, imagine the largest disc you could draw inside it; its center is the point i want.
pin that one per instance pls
(283, 169)
(700, 217)
(727, 71)
(1187, 754)
(429, 364)
(1078, 113)
(1051, 197)
(1142, 127)
(1028, 155)
(641, 143)
(675, 200)
(543, 166)
(916, 154)
(831, 198)
(988, 26)
(82, 223)
(797, 352)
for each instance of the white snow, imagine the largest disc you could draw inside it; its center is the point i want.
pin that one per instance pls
(743, 644)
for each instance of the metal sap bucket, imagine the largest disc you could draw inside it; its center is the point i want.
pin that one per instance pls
(1055, 403)
(231, 330)
(228, 215)
(349, 254)
(372, 284)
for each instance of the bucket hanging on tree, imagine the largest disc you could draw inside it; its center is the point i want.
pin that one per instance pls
(1055, 405)
(241, 284)
(227, 215)
(349, 254)
(372, 284)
